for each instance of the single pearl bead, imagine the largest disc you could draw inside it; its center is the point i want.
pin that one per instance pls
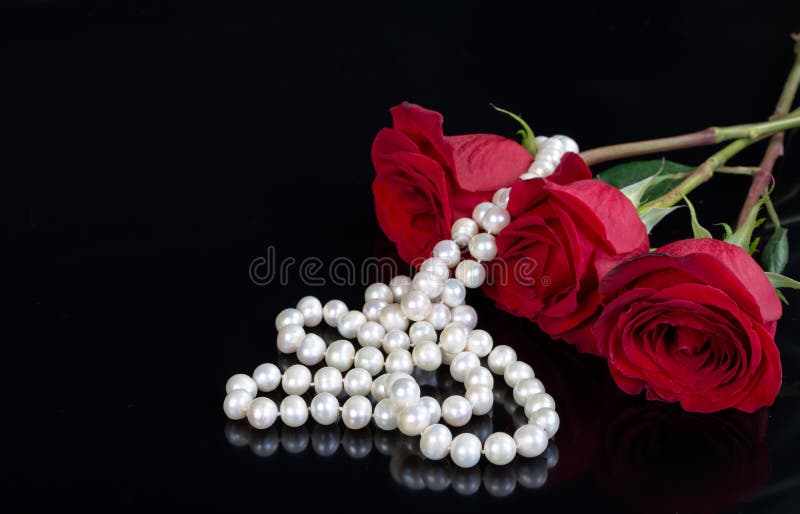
(526, 389)
(350, 323)
(404, 391)
(311, 309)
(436, 267)
(470, 273)
(394, 377)
(357, 381)
(434, 409)
(325, 409)
(463, 230)
(516, 372)
(399, 361)
(466, 315)
(539, 401)
(462, 364)
(262, 413)
(340, 355)
(416, 305)
(241, 381)
(328, 380)
(427, 283)
(435, 442)
(479, 376)
(289, 338)
(495, 220)
(288, 317)
(465, 450)
(236, 404)
(296, 379)
(546, 418)
(501, 196)
(422, 331)
(542, 168)
(294, 411)
(448, 251)
(549, 153)
(371, 334)
(385, 415)
(554, 142)
(379, 389)
(500, 358)
(481, 398)
(400, 285)
(413, 419)
(332, 311)
(370, 359)
(531, 440)
(540, 141)
(378, 291)
(395, 340)
(479, 342)
(392, 317)
(440, 316)
(453, 338)
(483, 247)
(372, 309)
(456, 411)
(500, 448)
(453, 293)
(311, 350)
(356, 412)
(267, 377)
(427, 356)
(569, 144)
(480, 210)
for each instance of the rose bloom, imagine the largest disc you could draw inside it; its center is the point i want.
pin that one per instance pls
(693, 323)
(425, 180)
(566, 232)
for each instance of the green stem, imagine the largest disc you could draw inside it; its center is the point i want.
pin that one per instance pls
(773, 214)
(738, 170)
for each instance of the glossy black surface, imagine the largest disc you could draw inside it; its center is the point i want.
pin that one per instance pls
(152, 150)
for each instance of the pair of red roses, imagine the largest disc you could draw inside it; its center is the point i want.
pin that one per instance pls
(691, 322)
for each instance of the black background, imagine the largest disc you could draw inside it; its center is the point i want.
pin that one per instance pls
(151, 150)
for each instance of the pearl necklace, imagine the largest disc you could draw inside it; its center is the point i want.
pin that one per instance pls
(433, 301)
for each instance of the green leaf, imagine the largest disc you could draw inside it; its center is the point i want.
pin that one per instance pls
(667, 174)
(776, 251)
(528, 138)
(777, 280)
(728, 229)
(653, 215)
(783, 298)
(744, 233)
(698, 230)
(754, 245)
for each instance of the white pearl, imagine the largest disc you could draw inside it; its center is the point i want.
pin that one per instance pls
(378, 291)
(526, 389)
(357, 381)
(370, 334)
(379, 389)
(448, 251)
(480, 210)
(400, 285)
(243, 382)
(262, 413)
(394, 377)
(311, 350)
(462, 364)
(500, 448)
(325, 409)
(479, 342)
(440, 316)
(531, 440)
(267, 377)
(470, 273)
(311, 309)
(500, 197)
(288, 317)
(436, 267)
(296, 379)
(549, 153)
(495, 220)
(422, 331)
(453, 293)
(416, 305)
(294, 411)
(540, 140)
(546, 418)
(500, 358)
(372, 309)
(413, 419)
(569, 144)
(328, 380)
(516, 372)
(370, 359)
(356, 412)
(554, 142)
(479, 376)
(463, 230)
(332, 311)
(456, 411)
(427, 356)
(350, 322)
(539, 401)
(392, 317)
(289, 338)
(483, 247)
(427, 283)
(395, 340)
(434, 409)
(528, 176)
(481, 398)
(340, 355)
(466, 315)
(385, 414)
(447, 357)
(453, 338)
(435, 442)
(542, 168)
(465, 450)
(236, 404)
(404, 391)
(399, 361)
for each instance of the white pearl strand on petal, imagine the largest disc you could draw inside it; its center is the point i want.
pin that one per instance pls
(433, 301)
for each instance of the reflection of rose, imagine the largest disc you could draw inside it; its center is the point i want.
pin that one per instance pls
(659, 458)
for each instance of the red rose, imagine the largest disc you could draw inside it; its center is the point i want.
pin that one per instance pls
(425, 180)
(692, 323)
(566, 232)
